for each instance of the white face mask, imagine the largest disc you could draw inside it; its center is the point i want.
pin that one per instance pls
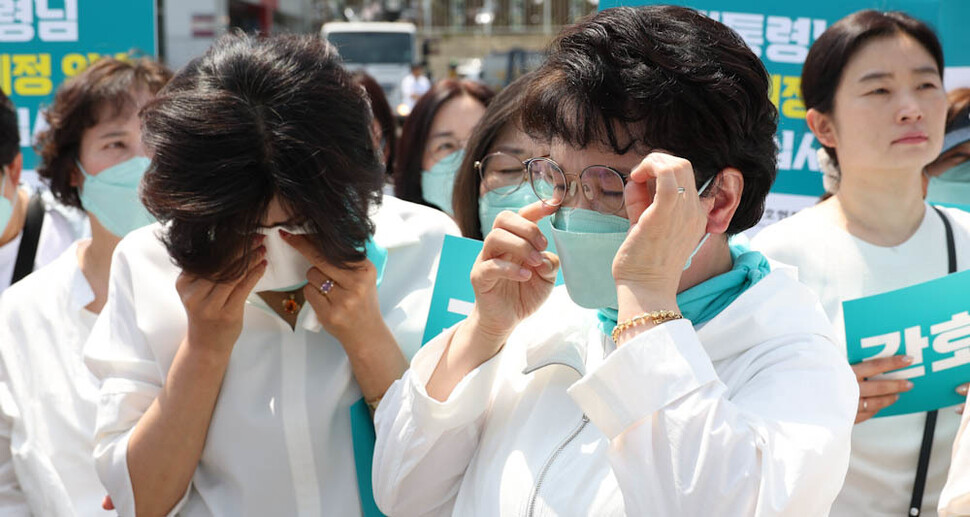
(286, 268)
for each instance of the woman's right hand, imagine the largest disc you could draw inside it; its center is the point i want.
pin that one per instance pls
(513, 274)
(875, 395)
(215, 309)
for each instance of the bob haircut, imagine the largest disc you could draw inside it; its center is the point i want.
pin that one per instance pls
(414, 134)
(501, 112)
(383, 114)
(251, 120)
(832, 51)
(102, 92)
(661, 77)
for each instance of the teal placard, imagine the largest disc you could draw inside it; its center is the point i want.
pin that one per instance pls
(43, 42)
(780, 33)
(453, 296)
(929, 322)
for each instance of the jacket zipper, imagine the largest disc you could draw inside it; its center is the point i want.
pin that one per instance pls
(545, 468)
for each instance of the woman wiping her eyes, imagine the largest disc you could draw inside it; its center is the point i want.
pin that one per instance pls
(278, 295)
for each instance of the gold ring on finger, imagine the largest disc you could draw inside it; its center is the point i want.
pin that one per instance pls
(326, 287)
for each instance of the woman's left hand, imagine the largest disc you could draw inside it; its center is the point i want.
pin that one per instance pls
(350, 307)
(666, 226)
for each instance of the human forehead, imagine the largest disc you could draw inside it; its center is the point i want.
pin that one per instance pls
(573, 159)
(456, 117)
(896, 57)
(512, 140)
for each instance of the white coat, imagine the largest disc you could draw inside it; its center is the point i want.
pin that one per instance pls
(279, 442)
(748, 415)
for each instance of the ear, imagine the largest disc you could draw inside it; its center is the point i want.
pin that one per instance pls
(15, 168)
(727, 188)
(823, 127)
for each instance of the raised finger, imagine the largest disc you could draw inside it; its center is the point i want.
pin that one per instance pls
(537, 210)
(221, 291)
(871, 367)
(887, 387)
(522, 227)
(246, 285)
(502, 243)
(486, 274)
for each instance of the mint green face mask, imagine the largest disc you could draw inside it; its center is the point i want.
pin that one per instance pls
(510, 198)
(112, 196)
(438, 183)
(953, 186)
(6, 206)
(588, 242)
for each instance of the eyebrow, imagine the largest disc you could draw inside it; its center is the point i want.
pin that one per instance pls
(113, 134)
(441, 134)
(507, 149)
(875, 76)
(292, 221)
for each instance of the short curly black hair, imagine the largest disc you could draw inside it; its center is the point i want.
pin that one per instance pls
(661, 77)
(254, 119)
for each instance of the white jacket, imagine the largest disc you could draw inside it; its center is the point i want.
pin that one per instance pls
(749, 415)
(279, 442)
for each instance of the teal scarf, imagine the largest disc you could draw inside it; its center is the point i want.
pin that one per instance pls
(706, 300)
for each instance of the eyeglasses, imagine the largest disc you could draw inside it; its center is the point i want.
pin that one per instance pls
(502, 172)
(439, 147)
(602, 186)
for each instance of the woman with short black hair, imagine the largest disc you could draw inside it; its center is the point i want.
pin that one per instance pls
(678, 373)
(277, 292)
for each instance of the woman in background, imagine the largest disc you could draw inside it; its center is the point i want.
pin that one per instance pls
(433, 139)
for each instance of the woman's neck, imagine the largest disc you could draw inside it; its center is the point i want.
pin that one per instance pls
(884, 208)
(95, 262)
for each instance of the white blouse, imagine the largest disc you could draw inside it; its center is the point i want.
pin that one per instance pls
(48, 398)
(279, 442)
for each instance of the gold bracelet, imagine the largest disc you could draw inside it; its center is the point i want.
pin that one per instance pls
(657, 317)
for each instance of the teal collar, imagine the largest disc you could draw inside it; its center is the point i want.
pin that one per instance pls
(706, 300)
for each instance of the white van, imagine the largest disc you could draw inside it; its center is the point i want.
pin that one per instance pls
(385, 50)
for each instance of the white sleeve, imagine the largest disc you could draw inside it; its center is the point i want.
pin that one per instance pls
(423, 445)
(681, 443)
(955, 498)
(118, 354)
(12, 499)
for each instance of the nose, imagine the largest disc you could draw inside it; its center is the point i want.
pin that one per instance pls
(909, 110)
(575, 197)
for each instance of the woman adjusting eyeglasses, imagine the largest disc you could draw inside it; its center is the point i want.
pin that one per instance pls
(676, 373)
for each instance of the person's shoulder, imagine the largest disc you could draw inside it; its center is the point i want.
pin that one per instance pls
(960, 218)
(794, 232)
(421, 219)
(43, 285)
(143, 247)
